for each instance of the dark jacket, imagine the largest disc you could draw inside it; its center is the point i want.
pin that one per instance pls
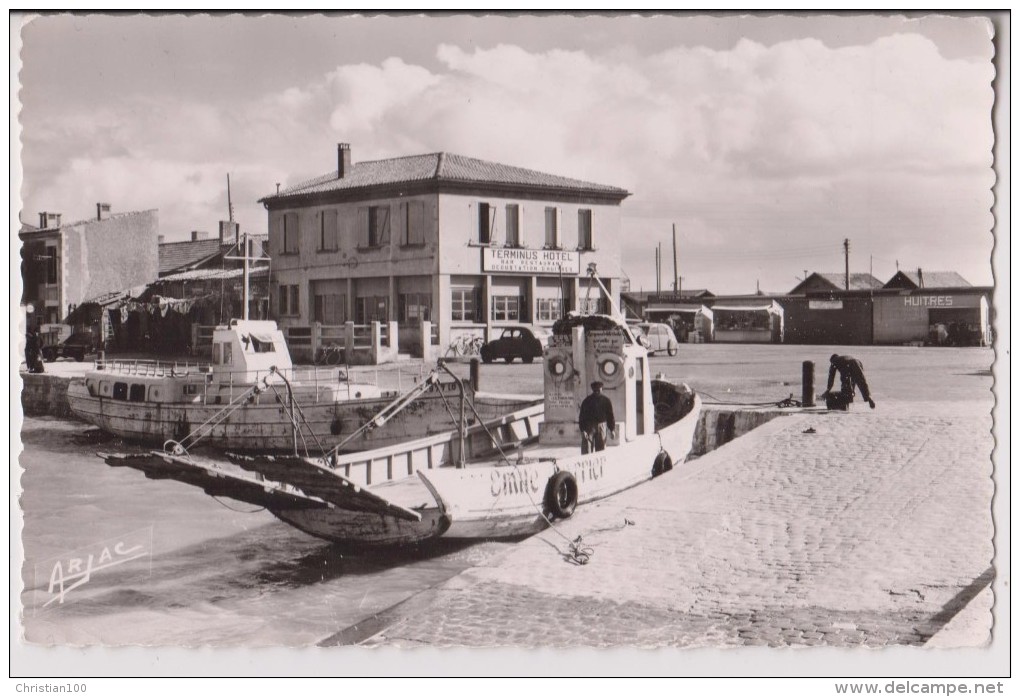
(851, 375)
(595, 409)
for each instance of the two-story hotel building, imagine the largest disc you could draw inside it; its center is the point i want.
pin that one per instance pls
(466, 244)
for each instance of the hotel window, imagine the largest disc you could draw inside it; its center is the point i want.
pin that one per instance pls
(328, 231)
(373, 226)
(414, 307)
(330, 309)
(486, 223)
(552, 228)
(465, 305)
(506, 308)
(413, 215)
(290, 233)
(549, 309)
(584, 234)
(513, 225)
(372, 308)
(289, 298)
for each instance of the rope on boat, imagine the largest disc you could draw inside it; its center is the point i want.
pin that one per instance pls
(304, 420)
(577, 552)
(196, 435)
(237, 510)
(784, 403)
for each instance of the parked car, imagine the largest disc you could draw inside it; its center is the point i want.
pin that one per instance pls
(526, 343)
(76, 346)
(660, 337)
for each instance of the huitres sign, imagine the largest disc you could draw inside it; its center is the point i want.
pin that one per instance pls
(537, 261)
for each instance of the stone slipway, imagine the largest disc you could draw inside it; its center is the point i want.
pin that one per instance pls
(868, 528)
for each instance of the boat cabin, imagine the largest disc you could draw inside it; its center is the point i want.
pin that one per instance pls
(243, 352)
(247, 349)
(589, 348)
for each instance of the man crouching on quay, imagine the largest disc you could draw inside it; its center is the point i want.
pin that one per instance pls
(596, 420)
(851, 376)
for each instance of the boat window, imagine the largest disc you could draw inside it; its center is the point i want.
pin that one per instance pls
(226, 354)
(191, 389)
(262, 344)
(137, 393)
(217, 354)
(120, 390)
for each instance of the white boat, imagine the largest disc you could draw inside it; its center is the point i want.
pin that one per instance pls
(251, 398)
(503, 477)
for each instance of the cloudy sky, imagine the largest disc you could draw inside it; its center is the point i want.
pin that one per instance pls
(765, 140)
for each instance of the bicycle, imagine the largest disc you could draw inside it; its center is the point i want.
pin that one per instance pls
(333, 354)
(465, 345)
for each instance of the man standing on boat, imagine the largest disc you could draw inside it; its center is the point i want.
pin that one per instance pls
(851, 376)
(596, 420)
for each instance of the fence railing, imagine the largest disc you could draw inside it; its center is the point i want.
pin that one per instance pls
(350, 343)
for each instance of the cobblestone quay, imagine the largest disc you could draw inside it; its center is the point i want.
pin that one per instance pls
(867, 528)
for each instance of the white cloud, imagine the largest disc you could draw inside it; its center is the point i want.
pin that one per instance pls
(797, 142)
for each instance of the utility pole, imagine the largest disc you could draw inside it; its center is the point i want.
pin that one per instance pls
(846, 258)
(658, 269)
(244, 301)
(676, 272)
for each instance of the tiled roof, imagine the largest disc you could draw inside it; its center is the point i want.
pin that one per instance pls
(858, 281)
(440, 168)
(177, 255)
(213, 274)
(932, 279)
(647, 295)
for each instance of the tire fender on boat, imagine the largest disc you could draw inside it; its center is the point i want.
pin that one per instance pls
(561, 495)
(663, 463)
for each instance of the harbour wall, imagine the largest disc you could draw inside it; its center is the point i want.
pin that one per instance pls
(45, 395)
(719, 425)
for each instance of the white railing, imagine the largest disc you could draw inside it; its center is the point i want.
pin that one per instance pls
(390, 381)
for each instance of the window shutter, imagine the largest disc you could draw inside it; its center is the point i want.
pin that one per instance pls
(492, 225)
(404, 223)
(521, 241)
(384, 226)
(363, 220)
(417, 222)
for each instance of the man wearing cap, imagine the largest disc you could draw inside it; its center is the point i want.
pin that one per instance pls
(596, 420)
(851, 375)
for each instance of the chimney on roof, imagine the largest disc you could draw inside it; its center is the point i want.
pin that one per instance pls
(230, 232)
(160, 239)
(343, 160)
(102, 210)
(49, 220)
(199, 235)
(920, 278)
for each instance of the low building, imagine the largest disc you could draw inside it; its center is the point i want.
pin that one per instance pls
(690, 322)
(935, 308)
(66, 264)
(748, 320)
(463, 244)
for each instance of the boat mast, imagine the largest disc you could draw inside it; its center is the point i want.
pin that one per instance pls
(245, 251)
(593, 274)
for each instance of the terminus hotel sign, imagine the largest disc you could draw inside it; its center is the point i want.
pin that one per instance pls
(537, 261)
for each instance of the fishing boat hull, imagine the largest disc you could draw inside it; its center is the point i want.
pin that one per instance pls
(264, 425)
(414, 492)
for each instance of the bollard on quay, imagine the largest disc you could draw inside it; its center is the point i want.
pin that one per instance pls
(475, 363)
(807, 395)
